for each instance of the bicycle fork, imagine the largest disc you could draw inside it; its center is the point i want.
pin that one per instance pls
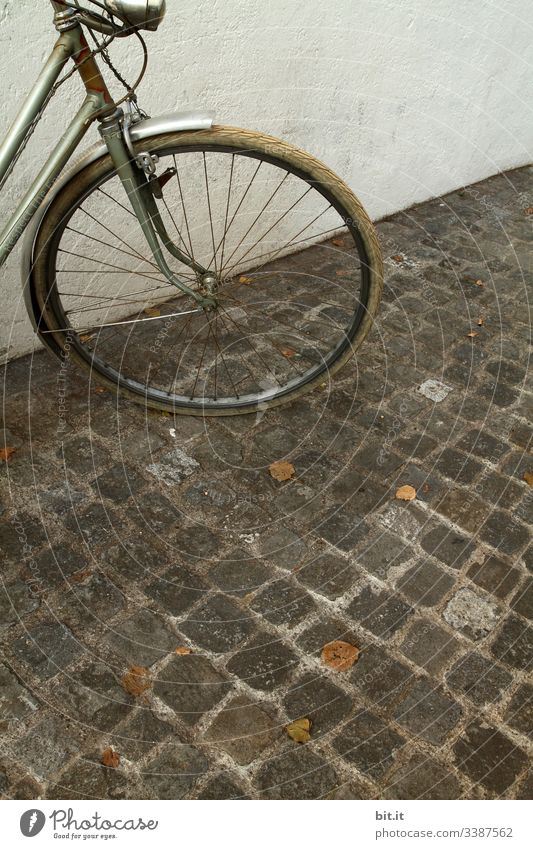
(138, 187)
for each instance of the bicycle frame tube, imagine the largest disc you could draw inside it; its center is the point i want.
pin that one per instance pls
(70, 44)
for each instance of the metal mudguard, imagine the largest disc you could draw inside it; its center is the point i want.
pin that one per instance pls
(174, 123)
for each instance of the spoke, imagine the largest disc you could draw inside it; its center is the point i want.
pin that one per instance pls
(256, 219)
(249, 186)
(120, 239)
(96, 327)
(275, 224)
(177, 229)
(210, 216)
(291, 243)
(215, 337)
(201, 361)
(108, 245)
(183, 207)
(287, 323)
(223, 240)
(182, 349)
(246, 366)
(125, 208)
(230, 317)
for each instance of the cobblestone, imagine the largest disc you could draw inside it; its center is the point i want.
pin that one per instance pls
(136, 534)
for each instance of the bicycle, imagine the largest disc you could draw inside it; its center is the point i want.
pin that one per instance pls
(199, 269)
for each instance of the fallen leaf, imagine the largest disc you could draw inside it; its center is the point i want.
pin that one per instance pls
(406, 493)
(528, 477)
(110, 758)
(152, 311)
(339, 243)
(342, 273)
(86, 337)
(6, 453)
(479, 283)
(182, 650)
(78, 577)
(99, 389)
(397, 257)
(480, 321)
(136, 680)
(281, 470)
(246, 281)
(288, 352)
(472, 334)
(340, 655)
(299, 730)
(529, 210)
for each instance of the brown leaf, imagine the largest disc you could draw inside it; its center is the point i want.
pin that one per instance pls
(152, 311)
(479, 283)
(339, 243)
(299, 730)
(340, 655)
(397, 257)
(529, 210)
(6, 453)
(528, 477)
(472, 334)
(246, 281)
(182, 650)
(288, 352)
(86, 337)
(80, 576)
(342, 273)
(406, 493)
(281, 470)
(100, 389)
(110, 758)
(136, 680)
(480, 321)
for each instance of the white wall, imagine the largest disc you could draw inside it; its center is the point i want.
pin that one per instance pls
(406, 99)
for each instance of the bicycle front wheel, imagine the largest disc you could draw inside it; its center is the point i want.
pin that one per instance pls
(285, 247)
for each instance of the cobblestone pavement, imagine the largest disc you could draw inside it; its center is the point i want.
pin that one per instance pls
(124, 539)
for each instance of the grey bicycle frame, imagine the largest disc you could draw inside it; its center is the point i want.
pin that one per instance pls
(98, 104)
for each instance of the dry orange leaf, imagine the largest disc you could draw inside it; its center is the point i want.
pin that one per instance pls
(480, 321)
(528, 477)
(340, 655)
(397, 258)
(339, 243)
(529, 210)
(299, 730)
(86, 337)
(182, 650)
(152, 311)
(99, 389)
(110, 758)
(406, 493)
(479, 283)
(6, 453)
(136, 680)
(288, 352)
(281, 470)
(472, 334)
(245, 280)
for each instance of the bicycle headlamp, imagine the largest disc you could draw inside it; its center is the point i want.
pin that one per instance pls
(144, 14)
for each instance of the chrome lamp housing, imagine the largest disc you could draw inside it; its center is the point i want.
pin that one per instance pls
(143, 14)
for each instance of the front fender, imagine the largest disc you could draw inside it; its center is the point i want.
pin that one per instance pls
(174, 123)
